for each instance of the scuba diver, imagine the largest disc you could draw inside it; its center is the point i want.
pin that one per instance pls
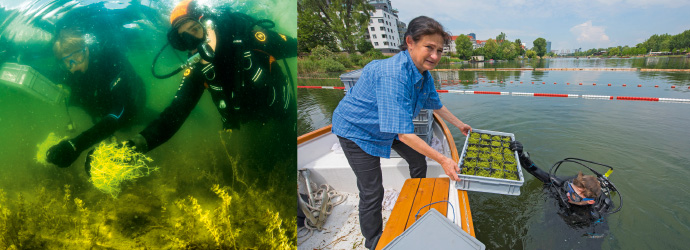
(234, 57)
(584, 201)
(102, 82)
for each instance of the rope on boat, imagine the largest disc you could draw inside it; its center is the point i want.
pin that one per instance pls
(322, 202)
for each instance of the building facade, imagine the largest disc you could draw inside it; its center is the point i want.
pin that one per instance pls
(383, 31)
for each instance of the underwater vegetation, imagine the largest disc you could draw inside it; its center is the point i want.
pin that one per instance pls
(198, 210)
(112, 164)
(45, 146)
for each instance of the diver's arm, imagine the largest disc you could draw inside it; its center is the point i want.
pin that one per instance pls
(171, 119)
(528, 165)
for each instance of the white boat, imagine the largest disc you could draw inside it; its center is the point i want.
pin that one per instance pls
(319, 153)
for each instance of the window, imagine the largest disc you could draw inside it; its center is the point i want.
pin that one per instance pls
(380, 20)
(382, 28)
(385, 43)
(374, 36)
(383, 36)
(376, 43)
(372, 29)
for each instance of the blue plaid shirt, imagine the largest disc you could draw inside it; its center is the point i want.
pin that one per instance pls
(383, 102)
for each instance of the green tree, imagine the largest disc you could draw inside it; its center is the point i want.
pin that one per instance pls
(342, 18)
(363, 45)
(463, 46)
(310, 32)
(501, 38)
(508, 51)
(491, 49)
(539, 46)
(531, 54)
(520, 50)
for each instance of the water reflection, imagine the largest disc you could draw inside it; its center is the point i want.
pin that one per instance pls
(83, 73)
(636, 62)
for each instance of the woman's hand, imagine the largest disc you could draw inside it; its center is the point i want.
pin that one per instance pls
(465, 129)
(451, 168)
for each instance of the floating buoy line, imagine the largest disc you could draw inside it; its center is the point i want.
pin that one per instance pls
(596, 97)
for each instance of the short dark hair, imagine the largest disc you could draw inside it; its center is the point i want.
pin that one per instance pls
(590, 185)
(423, 26)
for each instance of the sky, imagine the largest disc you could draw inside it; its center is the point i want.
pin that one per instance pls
(568, 24)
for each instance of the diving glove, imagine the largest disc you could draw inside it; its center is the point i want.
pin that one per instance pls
(63, 154)
(516, 146)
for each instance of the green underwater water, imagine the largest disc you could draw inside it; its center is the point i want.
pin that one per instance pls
(214, 189)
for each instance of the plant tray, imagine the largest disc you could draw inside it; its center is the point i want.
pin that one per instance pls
(489, 155)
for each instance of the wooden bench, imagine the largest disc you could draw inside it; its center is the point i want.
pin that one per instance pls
(415, 194)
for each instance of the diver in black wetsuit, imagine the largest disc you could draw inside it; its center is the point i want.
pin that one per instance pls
(102, 82)
(232, 55)
(584, 201)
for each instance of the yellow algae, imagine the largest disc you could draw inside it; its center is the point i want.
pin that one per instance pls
(52, 140)
(112, 164)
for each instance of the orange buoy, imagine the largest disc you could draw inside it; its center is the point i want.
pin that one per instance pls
(594, 84)
(656, 86)
(609, 84)
(580, 83)
(624, 85)
(673, 87)
(639, 85)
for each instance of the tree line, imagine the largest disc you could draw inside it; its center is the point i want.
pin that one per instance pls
(499, 48)
(674, 44)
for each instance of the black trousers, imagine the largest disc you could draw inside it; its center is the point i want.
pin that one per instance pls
(367, 168)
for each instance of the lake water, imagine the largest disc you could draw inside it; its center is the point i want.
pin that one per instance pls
(45, 207)
(645, 142)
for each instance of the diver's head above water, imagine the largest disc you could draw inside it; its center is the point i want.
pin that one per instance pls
(71, 50)
(583, 190)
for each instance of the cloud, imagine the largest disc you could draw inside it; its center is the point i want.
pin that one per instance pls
(587, 33)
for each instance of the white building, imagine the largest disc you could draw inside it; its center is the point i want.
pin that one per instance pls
(382, 31)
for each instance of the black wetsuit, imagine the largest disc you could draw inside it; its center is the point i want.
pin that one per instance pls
(109, 91)
(245, 81)
(590, 218)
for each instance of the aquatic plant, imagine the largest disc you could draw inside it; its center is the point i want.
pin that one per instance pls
(496, 143)
(474, 135)
(470, 163)
(497, 174)
(485, 143)
(482, 172)
(507, 151)
(495, 150)
(510, 166)
(471, 154)
(472, 148)
(496, 157)
(483, 164)
(496, 138)
(112, 164)
(485, 136)
(509, 157)
(511, 176)
(506, 139)
(484, 155)
(506, 145)
(484, 149)
(467, 170)
(43, 148)
(241, 221)
(473, 140)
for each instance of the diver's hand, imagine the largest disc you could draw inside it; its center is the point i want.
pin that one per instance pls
(516, 146)
(451, 168)
(62, 154)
